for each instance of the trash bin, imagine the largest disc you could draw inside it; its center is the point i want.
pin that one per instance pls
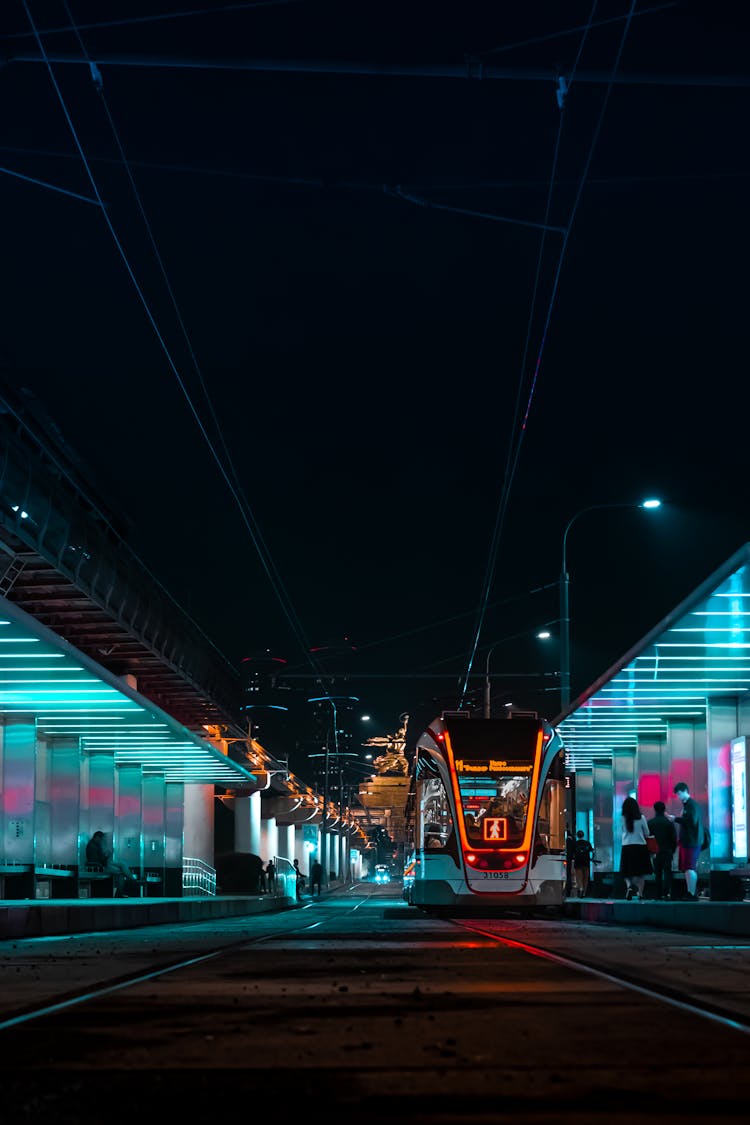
(725, 886)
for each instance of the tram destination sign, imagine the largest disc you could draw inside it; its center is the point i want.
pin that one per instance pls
(492, 766)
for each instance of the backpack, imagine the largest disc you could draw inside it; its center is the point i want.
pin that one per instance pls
(706, 839)
(582, 851)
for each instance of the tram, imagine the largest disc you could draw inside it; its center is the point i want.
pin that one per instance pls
(486, 814)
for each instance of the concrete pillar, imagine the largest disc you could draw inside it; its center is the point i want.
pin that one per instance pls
(625, 784)
(255, 818)
(584, 802)
(17, 782)
(286, 842)
(269, 838)
(603, 803)
(242, 829)
(725, 722)
(248, 831)
(198, 830)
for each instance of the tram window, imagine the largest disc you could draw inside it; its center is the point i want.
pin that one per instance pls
(551, 819)
(435, 820)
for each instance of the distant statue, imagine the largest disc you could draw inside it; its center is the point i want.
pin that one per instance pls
(393, 763)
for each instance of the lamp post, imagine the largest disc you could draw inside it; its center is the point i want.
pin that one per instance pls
(324, 858)
(346, 704)
(543, 635)
(564, 594)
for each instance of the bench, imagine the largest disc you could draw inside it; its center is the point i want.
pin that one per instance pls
(95, 873)
(150, 879)
(46, 876)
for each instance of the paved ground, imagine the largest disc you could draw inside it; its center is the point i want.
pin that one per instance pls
(358, 1005)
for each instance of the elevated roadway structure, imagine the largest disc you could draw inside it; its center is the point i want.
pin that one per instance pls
(135, 667)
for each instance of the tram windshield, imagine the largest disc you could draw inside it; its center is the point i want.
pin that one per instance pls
(495, 811)
(494, 767)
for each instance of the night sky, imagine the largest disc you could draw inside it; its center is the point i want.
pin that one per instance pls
(339, 287)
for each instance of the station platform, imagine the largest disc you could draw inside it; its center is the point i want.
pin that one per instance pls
(28, 918)
(703, 915)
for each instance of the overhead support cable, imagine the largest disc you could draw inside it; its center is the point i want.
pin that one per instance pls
(461, 71)
(514, 452)
(246, 514)
(399, 193)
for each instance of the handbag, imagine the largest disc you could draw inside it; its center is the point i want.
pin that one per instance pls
(652, 844)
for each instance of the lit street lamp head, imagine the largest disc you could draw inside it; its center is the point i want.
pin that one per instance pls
(649, 505)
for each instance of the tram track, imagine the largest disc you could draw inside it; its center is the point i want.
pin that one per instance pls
(348, 1004)
(603, 969)
(120, 982)
(666, 994)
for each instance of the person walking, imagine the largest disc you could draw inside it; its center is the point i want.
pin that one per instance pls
(316, 878)
(271, 877)
(262, 879)
(300, 880)
(665, 834)
(99, 852)
(570, 844)
(635, 860)
(691, 838)
(582, 856)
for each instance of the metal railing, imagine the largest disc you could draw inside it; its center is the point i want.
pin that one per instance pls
(198, 878)
(286, 877)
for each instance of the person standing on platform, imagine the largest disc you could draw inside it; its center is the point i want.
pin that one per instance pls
(635, 858)
(262, 879)
(665, 833)
(582, 855)
(300, 880)
(691, 838)
(316, 878)
(271, 877)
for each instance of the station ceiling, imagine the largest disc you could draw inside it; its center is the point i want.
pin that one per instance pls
(69, 695)
(699, 652)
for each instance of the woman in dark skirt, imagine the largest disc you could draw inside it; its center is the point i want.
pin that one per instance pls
(635, 859)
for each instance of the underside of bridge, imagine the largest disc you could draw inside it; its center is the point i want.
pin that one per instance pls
(65, 560)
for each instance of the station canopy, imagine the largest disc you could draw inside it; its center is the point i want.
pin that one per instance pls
(68, 695)
(699, 652)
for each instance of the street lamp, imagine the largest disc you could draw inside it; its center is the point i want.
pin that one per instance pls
(324, 857)
(564, 599)
(324, 835)
(541, 636)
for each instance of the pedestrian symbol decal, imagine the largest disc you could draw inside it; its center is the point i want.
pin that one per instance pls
(495, 829)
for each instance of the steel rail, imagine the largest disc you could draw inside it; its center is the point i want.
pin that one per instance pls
(664, 993)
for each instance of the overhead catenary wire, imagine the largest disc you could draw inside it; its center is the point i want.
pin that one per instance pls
(248, 520)
(227, 460)
(515, 447)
